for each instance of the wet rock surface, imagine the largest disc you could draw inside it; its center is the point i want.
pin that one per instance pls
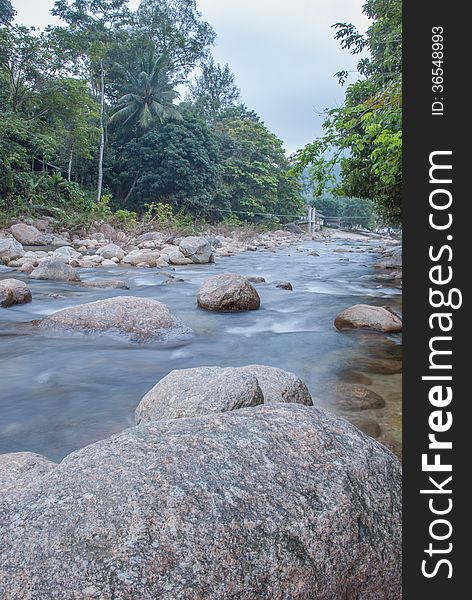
(228, 292)
(356, 397)
(261, 503)
(55, 269)
(14, 291)
(199, 391)
(379, 318)
(140, 319)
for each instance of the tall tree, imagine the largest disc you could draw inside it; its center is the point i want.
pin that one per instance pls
(94, 23)
(364, 135)
(7, 12)
(147, 103)
(148, 100)
(255, 171)
(214, 90)
(177, 31)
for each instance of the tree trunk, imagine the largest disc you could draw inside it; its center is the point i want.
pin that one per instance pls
(102, 133)
(69, 166)
(133, 185)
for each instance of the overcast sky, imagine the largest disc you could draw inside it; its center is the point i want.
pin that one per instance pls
(282, 53)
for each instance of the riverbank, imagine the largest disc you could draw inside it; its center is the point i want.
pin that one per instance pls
(87, 388)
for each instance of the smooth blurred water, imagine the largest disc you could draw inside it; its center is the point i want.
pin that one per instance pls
(59, 392)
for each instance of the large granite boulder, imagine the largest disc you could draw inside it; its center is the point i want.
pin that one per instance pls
(228, 293)
(198, 249)
(20, 469)
(278, 385)
(204, 390)
(199, 391)
(56, 269)
(10, 249)
(139, 319)
(19, 291)
(265, 503)
(29, 235)
(380, 318)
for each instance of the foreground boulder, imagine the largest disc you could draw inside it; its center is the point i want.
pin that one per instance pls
(198, 249)
(56, 269)
(16, 291)
(204, 390)
(10, 249)
(20, 469)
(139, 319)
(199, 391)
(278, 385)
(370, 317)
(265, 503)
(228, 293)
(29, 235)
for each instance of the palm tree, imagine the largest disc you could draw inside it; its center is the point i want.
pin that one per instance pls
(148, 101)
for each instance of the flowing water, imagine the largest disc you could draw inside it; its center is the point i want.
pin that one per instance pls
(60, 392)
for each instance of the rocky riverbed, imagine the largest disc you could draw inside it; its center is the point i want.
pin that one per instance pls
(235, 355)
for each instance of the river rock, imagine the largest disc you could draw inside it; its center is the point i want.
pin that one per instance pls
(52, 268)
(278, 385)
(198, 249)
(20, 292)
(264, 503)
(256, 279)
(372, 317)
(66, 254)
(356, 397)
(147, 257)
(111, 251)
(293, 228)
(29, 235)
(365, 424)
(106, 283)
(6, 297)
(139, 319)
(20, 469)
(284, 285)
(228, 293)
(199, 391)
(10, 249)
(175, 257)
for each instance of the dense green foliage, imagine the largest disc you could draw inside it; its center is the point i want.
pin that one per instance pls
(364, 135)
(354, 212)
(91, 119)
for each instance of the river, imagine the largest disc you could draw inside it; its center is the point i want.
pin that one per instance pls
(60, 392)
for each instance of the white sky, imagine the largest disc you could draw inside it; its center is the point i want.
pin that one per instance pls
(282, 53)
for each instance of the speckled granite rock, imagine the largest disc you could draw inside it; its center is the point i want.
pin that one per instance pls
(198, 249)
(139, 319)
(19, 469)
(370, 317)
(10, 249)
(350, 396)
(20, 292)
(199, 391)
(29, 235)
(266, 503)
(278, 385)
(51, 268)
(228, 293)
(205, 390)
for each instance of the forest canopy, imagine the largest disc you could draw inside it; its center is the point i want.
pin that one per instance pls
(129, 108)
